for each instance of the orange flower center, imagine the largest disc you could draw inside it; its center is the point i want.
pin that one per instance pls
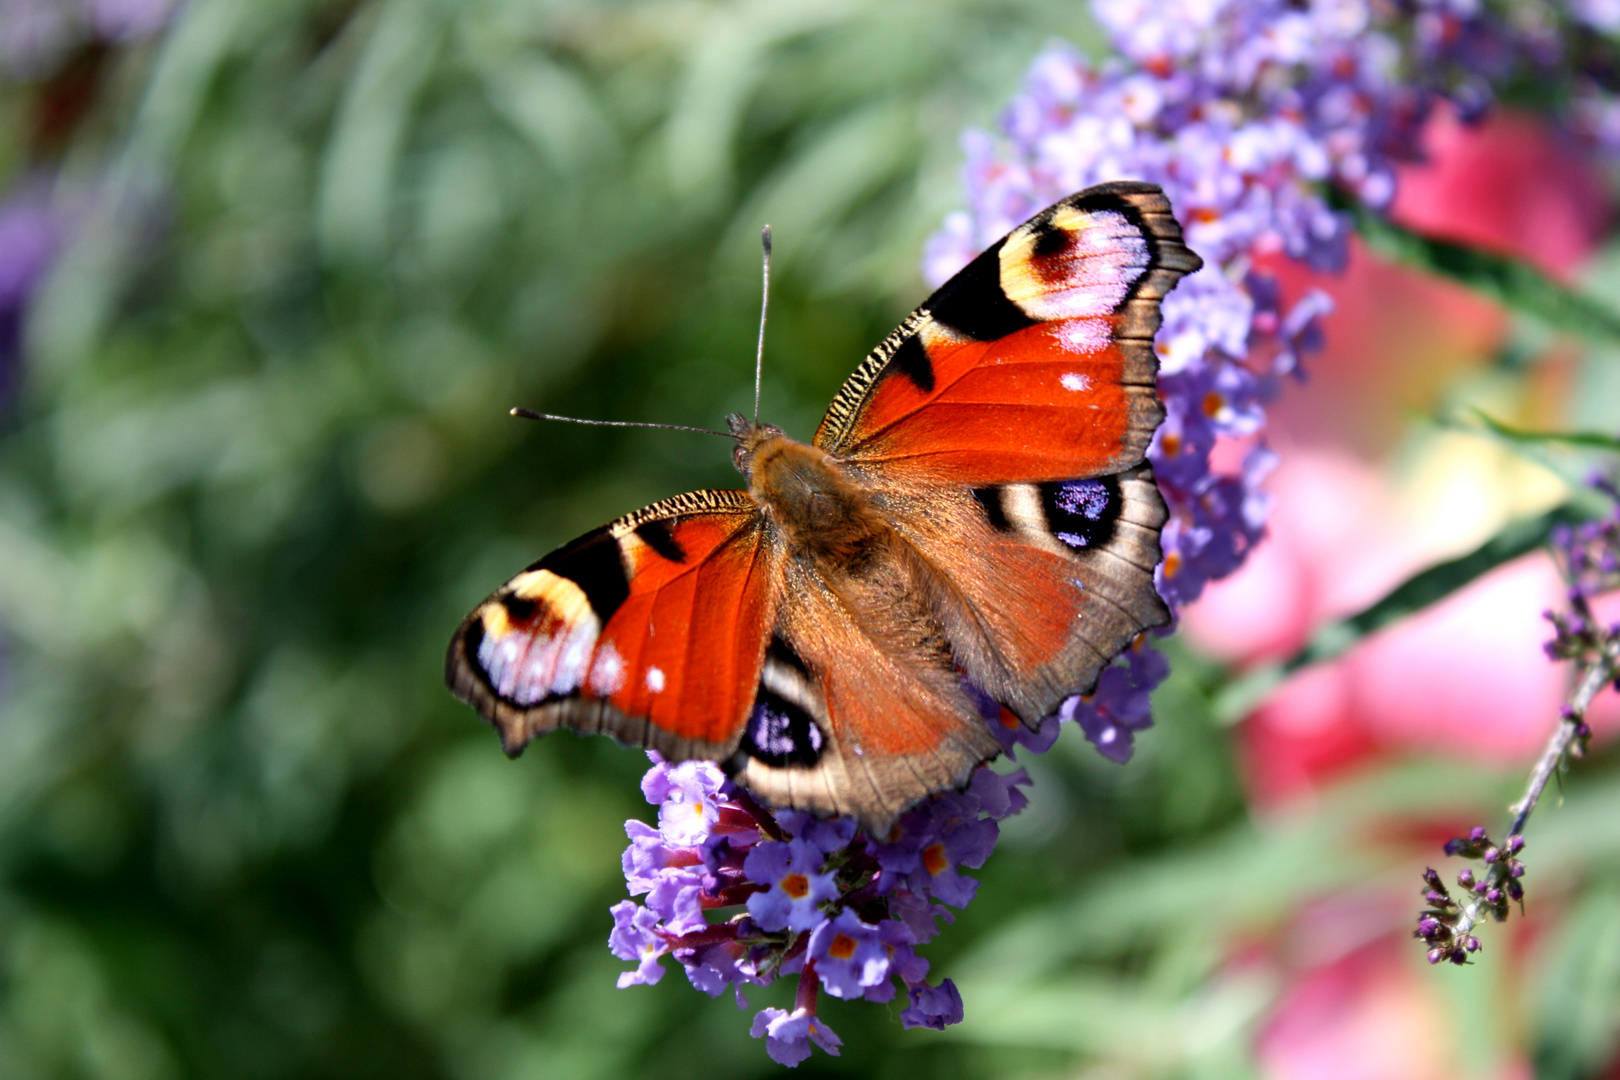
(933, 857)
(796, 886)
(842, 947)
(1172, 563)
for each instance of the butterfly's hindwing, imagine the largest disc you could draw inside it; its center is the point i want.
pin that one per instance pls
(874, 719)
(787, 727)
(1065, 514)
(1039, 586)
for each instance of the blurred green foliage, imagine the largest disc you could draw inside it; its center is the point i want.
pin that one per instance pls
(260, 466)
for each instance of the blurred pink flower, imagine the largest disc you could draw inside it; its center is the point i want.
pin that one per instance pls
(1362, 1017)
(1466, 678)
(1513, 185)
(1370, 1014)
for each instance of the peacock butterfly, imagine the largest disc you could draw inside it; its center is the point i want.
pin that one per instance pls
(973, 520)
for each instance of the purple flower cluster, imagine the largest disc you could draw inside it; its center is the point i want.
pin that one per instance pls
(739, 896)
(1245, 112)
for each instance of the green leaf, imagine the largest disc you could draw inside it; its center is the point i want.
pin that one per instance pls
(1240, 695)
(1593, 440)
(1510, 282)
(1579, 990)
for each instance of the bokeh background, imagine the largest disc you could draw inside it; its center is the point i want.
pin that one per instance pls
(271, 274)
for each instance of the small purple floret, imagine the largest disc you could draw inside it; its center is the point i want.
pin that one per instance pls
(850, 955)
(933, 1006)
(797, 890)
(788, 1035)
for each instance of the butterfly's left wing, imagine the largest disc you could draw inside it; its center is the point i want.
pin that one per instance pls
(1004, 427)
(652, 629)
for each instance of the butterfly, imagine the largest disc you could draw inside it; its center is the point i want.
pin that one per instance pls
(974, 521)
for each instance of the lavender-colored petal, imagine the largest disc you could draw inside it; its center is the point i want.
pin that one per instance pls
(850, 955)
(634, 938)
(788, 1035)
(933, 1006)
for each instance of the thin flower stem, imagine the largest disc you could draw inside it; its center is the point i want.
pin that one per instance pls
(1599, 673)
(805, 997)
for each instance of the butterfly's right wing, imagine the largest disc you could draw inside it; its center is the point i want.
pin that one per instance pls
(1004, 427)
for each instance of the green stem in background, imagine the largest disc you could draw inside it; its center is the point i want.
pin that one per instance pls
(1242, 693)
(1511, 282)
(1519, 438)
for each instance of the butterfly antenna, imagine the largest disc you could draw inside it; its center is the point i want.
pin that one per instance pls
(764, 305)
(530, 414)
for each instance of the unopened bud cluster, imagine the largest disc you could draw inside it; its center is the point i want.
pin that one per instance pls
(1445, 923)
(1590, 558)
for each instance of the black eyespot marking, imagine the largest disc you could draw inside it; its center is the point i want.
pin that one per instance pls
(911, 360)
(783, 653)
(1049, 239)
(990, 499)
(1082, 513)
(517, 608)
(974, 304)
(659, 535)
(780, 733)
(592, 562)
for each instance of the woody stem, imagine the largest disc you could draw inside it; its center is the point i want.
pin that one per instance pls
(1599, 673)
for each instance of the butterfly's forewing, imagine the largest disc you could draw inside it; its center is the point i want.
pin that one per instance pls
(1035, 362)
(651, 629)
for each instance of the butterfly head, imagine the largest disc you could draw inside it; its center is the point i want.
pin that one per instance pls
(749, 436)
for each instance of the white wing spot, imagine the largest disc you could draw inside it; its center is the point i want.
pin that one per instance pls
(655, 680)
(607, 672)
(1073, 380)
